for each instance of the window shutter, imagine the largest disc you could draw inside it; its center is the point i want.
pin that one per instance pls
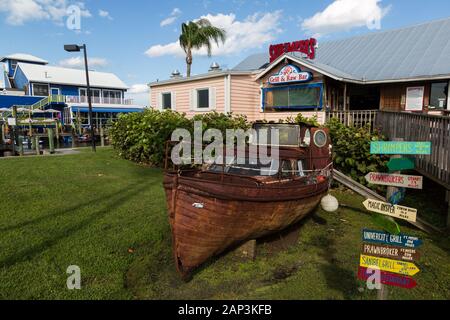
(212, 98)
(193, 98)
(160, 101)
(173, 97)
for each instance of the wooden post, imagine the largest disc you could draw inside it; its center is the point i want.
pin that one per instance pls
(102, 136)
(3, 134)
(448, 214)
(20, 141)
(36, 144)
(384, 291)
(73, 138)
(51, 140)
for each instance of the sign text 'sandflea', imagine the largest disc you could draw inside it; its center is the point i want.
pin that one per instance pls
(307, 47)
(389, 265)
(396, 211)
(395, 180)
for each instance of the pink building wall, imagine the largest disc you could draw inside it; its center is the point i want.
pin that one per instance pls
(244, 95)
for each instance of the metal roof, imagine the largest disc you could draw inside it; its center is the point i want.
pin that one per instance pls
(23, 57)
(211, 74)
(254, 62)
(411, 53)
(66, 76)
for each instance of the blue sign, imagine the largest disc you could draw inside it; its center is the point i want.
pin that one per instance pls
(400, 147)
(401, 240)
(398, 196)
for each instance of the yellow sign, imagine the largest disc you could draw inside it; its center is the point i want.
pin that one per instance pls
(389, 265)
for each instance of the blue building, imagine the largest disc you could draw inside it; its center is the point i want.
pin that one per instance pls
(30, 81)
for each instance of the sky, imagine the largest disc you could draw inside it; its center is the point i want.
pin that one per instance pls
(137, 39)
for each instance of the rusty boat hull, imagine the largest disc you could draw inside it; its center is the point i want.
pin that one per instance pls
(207, 217)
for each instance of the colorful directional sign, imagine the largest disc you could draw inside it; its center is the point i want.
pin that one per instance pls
(388, 278)
(388, 209)
(398, 164)
(400, 147)
(401, 240)
(398, 196)
(385, 251)
(395, 180)
(389, 265)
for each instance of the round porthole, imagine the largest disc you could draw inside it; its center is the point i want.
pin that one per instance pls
(307, 138)
(320, 138)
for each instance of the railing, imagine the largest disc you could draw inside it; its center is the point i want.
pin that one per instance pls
(355, 118)
(98, 100)
(422, 127)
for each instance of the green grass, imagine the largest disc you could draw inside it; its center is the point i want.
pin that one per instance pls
(90, 210)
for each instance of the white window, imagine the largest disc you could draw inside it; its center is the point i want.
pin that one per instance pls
(167, 101)
(414, 98)
(95, 95)
(112, 96)
(203, 99)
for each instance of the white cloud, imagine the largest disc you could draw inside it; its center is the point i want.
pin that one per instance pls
(20, 12)
(253, 32)
(78, 62)
(139, 93)
(174, 15)
(104, 14)
(138, 89)
(343, 15)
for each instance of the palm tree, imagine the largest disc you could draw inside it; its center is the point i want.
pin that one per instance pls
(198, 34)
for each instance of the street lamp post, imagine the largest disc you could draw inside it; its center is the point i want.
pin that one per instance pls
(77, 48)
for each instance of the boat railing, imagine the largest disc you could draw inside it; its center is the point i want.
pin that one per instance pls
(294, 174)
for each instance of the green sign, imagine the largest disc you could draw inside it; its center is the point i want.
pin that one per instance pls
(399, 164)
(400, 147)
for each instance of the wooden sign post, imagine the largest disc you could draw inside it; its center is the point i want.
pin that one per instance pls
(384, 257)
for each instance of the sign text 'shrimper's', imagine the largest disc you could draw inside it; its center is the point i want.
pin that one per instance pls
(400, 147)
(307, 47)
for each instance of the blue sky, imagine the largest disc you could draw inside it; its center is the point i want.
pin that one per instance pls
(136, 39)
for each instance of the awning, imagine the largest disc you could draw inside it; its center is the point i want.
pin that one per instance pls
(113, 110)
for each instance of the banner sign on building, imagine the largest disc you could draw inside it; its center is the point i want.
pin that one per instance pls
(289, 74)
(307, 47)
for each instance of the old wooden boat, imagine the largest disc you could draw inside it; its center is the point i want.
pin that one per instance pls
(218, 206)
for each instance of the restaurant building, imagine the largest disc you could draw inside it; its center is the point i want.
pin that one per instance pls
(406, 69)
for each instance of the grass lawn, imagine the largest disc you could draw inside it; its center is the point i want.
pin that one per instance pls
(108, 216)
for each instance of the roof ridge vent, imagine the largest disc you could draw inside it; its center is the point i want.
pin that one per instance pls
(175, 74)
(214, 67)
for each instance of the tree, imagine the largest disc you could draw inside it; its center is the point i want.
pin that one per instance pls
(198, 34)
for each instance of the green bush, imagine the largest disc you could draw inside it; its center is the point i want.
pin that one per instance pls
(141, 137)
(351, 150)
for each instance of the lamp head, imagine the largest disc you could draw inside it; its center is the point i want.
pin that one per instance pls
(72, 48)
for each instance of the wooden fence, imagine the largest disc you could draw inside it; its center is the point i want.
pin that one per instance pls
(422, 127)
(358, 118)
